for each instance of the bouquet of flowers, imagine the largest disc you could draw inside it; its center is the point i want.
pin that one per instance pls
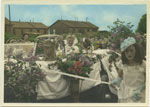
(77, 64)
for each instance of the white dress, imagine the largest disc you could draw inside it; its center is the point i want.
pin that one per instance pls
(133, 79)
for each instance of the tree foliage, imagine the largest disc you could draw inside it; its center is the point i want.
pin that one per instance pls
(119, 31)
(142, 25)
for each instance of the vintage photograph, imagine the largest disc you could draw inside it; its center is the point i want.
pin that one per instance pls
(75, 53)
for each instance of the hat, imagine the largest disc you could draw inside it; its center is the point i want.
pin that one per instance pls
(126, 43)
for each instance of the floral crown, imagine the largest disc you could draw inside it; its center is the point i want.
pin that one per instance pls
(126, 43)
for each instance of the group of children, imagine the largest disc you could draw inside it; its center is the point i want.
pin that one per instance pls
(131, 72)
(71, 45)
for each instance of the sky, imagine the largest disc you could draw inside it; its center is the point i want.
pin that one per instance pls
(100, 15)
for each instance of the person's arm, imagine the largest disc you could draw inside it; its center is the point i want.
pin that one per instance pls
(120, 74)
(116, 81)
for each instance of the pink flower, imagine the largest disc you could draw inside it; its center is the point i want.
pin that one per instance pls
(75, 66)
(82, 63)
(113, 45)
(113, 34)
(138, 36)
(72, 55)
(87, 61)
(121, 40)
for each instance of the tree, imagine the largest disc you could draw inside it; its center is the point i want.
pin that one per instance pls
(119, 31)
(142, 25)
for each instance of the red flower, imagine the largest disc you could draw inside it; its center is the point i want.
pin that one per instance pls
(75, 66)
(69, 69)
(80, 65)
(78, 62)
(80, 72)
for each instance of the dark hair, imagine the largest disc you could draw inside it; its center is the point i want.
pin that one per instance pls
(24, 36)
(138, 56)
(87, 43)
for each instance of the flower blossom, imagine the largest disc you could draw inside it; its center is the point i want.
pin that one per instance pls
(138, 36)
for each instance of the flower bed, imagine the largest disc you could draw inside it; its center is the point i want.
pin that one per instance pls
(20, 79)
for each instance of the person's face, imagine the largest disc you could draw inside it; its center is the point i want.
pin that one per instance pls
(70, 41)
(25, 37)
(130, 53)
(46, 51)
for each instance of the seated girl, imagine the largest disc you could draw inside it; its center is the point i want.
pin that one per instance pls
(71, 45)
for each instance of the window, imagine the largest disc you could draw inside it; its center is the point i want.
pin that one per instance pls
(76, 30)
(22, 31)
(70, 30)
(38, 30)
(54, 31)
(90, 30)
(45, 31)
(14, 31)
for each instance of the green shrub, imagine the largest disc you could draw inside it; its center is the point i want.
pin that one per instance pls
(32, 38)
(9, 36)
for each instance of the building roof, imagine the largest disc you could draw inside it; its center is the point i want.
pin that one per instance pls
(17, 24)
(6, 21)
(38, 25)
(75, 24)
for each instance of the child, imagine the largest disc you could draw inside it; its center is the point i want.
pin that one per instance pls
(71, 45)
(87, 46)
(132, 75)
(60, 47)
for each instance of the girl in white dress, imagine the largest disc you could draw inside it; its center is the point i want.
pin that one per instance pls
(132, 73)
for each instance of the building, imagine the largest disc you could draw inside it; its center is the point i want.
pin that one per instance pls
(8, 25)
(67, 26)
(19, 28)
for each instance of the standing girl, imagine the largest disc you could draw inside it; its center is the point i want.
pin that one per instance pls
(132, 76)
